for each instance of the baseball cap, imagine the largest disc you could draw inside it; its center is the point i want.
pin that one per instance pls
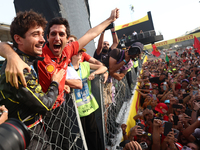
(147, 134)
(83, 50)
(185, 80)
(135, 48)
(161, 106)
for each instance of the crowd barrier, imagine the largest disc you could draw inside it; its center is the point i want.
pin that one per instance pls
(62, 125)
(134, 106)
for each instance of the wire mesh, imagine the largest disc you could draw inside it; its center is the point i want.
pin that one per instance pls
(60, 129)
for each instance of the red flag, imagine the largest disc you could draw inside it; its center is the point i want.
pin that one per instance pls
(196, 44)
(155, 51)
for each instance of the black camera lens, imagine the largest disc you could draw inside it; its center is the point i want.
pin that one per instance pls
(14, 135)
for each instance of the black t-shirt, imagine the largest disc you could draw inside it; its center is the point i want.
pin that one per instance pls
(156, 80)
(115, 54)
(101, 56)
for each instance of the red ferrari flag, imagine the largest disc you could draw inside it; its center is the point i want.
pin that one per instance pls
(196, 45)
(155, 51)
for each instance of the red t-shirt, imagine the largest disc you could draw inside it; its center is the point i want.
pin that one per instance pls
(47, 67)
(85, 57)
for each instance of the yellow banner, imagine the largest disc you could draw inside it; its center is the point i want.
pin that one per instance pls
(134, 107)
(146, 18)
(173, 41)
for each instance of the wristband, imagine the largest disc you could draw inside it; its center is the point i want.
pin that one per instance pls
(195, 110)
(107, 71)
(125, 61)
(5, 111)
(113, 32)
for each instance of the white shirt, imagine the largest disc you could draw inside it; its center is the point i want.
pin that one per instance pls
(72, 74)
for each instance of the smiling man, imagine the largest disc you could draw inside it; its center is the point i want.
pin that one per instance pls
(31, 103)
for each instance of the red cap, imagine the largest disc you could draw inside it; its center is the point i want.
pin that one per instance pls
(161, 106)
(179, 146)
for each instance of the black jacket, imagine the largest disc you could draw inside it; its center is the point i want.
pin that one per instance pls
(30, 102)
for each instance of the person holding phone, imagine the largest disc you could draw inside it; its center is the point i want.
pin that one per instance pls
(104, 47)
(169, 142)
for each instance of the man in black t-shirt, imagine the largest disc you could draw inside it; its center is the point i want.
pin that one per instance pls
(104, 47)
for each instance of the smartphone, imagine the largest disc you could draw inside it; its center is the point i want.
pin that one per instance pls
(110, 26)
(143, 145)
(164, 87)
(181, 101)
(141, 125)
(188, 112)
(167, 128)
(176, 119)
(154, 97)
(177, 106)
(149, 107)
(176, 133)
(167, 101)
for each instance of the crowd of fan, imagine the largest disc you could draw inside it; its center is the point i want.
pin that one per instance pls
(168, 116)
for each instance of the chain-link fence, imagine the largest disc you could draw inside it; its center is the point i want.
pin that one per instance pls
(117, 109)
(61, 128)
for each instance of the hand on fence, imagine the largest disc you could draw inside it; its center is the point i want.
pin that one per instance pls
(67, 88)
(123, 127)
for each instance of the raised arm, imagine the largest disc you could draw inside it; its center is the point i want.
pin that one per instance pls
(189, 130)
(15, 65)
(115, 39)
(100, 44)
(94, 32)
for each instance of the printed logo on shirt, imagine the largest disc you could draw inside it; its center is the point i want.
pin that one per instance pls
(50, 68)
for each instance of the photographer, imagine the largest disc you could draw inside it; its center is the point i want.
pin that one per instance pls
(3, 114)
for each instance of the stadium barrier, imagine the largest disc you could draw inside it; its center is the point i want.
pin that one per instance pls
(63, 129)
(134, 106)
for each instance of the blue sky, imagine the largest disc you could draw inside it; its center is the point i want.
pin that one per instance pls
(172, 17)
